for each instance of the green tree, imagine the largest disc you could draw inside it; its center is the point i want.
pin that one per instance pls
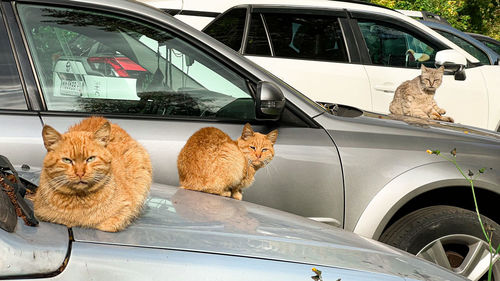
(479, 16)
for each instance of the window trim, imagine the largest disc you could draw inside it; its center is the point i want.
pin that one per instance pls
(248, 23)
(268, 35)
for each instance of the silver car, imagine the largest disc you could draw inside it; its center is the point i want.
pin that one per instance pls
(188, 235)
(64, 60)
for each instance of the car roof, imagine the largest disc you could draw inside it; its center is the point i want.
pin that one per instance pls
(220, 6)
(493, 56)
(178, 219)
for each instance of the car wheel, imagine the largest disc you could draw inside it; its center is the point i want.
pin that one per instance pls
(449, 236)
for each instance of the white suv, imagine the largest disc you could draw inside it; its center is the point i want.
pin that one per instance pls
(349, 53)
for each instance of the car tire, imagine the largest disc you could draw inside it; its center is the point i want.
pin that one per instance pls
(449, 236)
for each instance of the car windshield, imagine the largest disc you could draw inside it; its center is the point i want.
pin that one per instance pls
(471, 49)
(88, 62)
(493, 46)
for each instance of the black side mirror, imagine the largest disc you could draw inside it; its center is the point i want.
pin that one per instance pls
(453, 62)
(269, 102)
(458, 70)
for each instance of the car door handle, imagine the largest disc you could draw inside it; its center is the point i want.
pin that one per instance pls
(385, 88)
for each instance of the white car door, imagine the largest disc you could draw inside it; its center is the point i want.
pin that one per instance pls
(341, 83)
(396, 54)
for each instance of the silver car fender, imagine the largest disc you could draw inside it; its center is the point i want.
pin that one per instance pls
(410, 184)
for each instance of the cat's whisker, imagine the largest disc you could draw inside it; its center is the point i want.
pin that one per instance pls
(273, 169)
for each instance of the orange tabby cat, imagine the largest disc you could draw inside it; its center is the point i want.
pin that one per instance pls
(212, 162)
(95, 175)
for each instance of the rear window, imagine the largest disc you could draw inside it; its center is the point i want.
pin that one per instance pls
(313, 37)
(228, 29)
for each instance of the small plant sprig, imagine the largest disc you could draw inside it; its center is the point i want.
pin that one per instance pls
(470, 177)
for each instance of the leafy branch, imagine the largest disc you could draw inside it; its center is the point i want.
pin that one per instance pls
(470, 177)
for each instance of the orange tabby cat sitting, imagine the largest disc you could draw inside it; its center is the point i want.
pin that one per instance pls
(212, 162)
(95, 176)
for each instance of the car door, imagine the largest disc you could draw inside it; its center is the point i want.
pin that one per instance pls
(20, 126)
(311, 50)
(396, 50)
(161, 87)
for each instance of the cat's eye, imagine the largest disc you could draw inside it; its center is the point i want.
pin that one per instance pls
(252, 147)
(67, 160)
(90, 159)
(264, 149)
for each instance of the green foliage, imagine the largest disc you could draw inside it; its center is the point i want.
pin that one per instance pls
(478, 16)
(470, 178)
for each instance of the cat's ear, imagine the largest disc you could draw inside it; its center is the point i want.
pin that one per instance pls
(51, 137)
(102, 135)
(273, 136)
(441, 69)
(247, 132)
(422, 67)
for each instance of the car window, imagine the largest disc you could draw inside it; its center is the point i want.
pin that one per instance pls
(257, 43)
(494, 47)
(468, 47)
(228, 29)
(312, 37)
(11, 91)
(92, 62)
(390, 45)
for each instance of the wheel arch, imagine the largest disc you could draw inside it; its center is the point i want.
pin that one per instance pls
(424, 186)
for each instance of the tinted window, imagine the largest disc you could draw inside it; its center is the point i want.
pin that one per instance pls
(257, 43)
(91, 62)
(471, 49)
(306, 36)
(11, 92)
(390, 45)
(228, 29)
(494, 47)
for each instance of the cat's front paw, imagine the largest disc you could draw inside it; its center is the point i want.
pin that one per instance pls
(441, 111)
(226, 193)
(447, 119)
(237, 195)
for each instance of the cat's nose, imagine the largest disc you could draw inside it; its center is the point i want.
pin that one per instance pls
(80, 174)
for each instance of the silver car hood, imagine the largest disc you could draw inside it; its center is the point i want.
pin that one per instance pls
(179, 219)
(398, 124)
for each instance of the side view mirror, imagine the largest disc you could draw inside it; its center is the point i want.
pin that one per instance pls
(269, 102)
(453, 62)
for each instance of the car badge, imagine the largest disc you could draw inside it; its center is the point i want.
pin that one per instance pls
(68, 66)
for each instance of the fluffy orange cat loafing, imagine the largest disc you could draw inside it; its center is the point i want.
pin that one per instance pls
(214, 163)
(95, 176)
